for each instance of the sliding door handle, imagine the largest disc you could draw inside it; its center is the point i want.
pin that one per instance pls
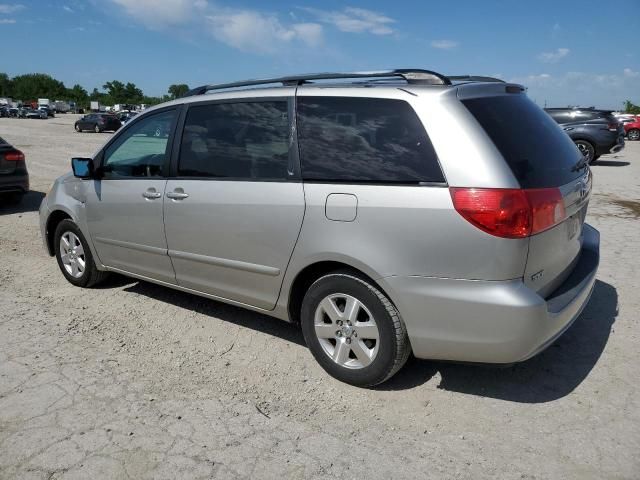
(177, 195)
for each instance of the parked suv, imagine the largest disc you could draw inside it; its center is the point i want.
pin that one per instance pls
(408, 215)
(595, 132)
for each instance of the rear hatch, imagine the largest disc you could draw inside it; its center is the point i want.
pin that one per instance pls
(542, 158)
(6, 167)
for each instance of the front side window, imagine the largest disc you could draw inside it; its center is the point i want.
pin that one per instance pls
(376, 140)
(243, 140)
(141, 150)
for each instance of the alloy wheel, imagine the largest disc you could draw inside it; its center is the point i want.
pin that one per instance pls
(72, 254)
(346, 331)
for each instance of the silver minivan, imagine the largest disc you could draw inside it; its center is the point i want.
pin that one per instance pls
(388, 213)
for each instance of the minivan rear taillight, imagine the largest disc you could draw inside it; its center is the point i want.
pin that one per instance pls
(14, 156)
(510, 212)
(613, 127)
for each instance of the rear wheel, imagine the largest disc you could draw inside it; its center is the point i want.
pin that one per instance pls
(78, 129)
(633, 134)
(587, 150)
(97, 129)
(74, 256)
(353, 330)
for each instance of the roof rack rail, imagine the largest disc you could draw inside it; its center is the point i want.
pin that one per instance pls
(474, 78)
(411, 75)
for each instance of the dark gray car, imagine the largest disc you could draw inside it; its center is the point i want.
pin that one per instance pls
(595, 132)
(14, 179)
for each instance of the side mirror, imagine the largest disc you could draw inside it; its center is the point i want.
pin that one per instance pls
(82, 167)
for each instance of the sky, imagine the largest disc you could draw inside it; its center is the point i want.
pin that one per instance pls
(566, 52)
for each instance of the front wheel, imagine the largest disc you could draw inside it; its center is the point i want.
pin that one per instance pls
(78, 129)
(633, 134)
(587, 150)
(97, 129)
(353, 330)
(74, 256)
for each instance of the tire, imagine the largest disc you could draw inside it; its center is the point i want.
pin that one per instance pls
(97, 129)
(86, 275)
(587, 149)
(633, 134)
(78, 129)
(361, 359)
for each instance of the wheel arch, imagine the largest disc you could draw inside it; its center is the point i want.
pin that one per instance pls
(54, 219)
(310, 273)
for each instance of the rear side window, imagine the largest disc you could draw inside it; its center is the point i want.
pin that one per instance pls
(539, 153)
(374, 140)
(244, 140)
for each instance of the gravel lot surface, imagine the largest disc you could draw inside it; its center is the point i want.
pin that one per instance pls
(134, 380)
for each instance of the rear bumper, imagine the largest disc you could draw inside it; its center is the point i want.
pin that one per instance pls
(491, 321)
(15, 182)
(612, 146)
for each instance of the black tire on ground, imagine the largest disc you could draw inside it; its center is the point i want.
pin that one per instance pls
(393, 348)
(633, 134)
(91, 275)
(78, 129)
(595, 157)
(587, 149)
(97, 129)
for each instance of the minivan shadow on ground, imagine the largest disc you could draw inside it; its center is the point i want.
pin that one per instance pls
(551, 375)
(228, 313)
(30, 203)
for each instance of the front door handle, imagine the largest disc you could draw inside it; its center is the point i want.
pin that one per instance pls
(151, 193)
(177, 195)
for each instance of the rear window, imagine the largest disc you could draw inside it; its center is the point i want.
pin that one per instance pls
(539, 153)
(367, 140)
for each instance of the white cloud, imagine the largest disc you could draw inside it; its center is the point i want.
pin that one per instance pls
(10, 8)
(257, 32)
(444, 44)
(627, 72)
(7, 21)
(67, 8)
(555, 56)
(247, 30)
(165, 13)
(355, 20)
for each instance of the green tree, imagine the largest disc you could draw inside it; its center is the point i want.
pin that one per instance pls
(178, 90)
(118, 92)
(115, 91)
(132, 94)
(78, 95)
(5, 85)
(37, 85)
(631, 108)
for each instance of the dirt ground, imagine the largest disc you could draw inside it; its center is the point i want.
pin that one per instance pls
(133, 380)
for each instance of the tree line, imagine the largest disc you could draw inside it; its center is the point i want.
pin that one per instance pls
(32, 86)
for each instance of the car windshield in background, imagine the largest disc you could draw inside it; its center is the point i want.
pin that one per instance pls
(538, 152)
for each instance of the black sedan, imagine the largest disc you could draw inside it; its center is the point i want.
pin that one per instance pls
(98, 122)
(14, 178)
